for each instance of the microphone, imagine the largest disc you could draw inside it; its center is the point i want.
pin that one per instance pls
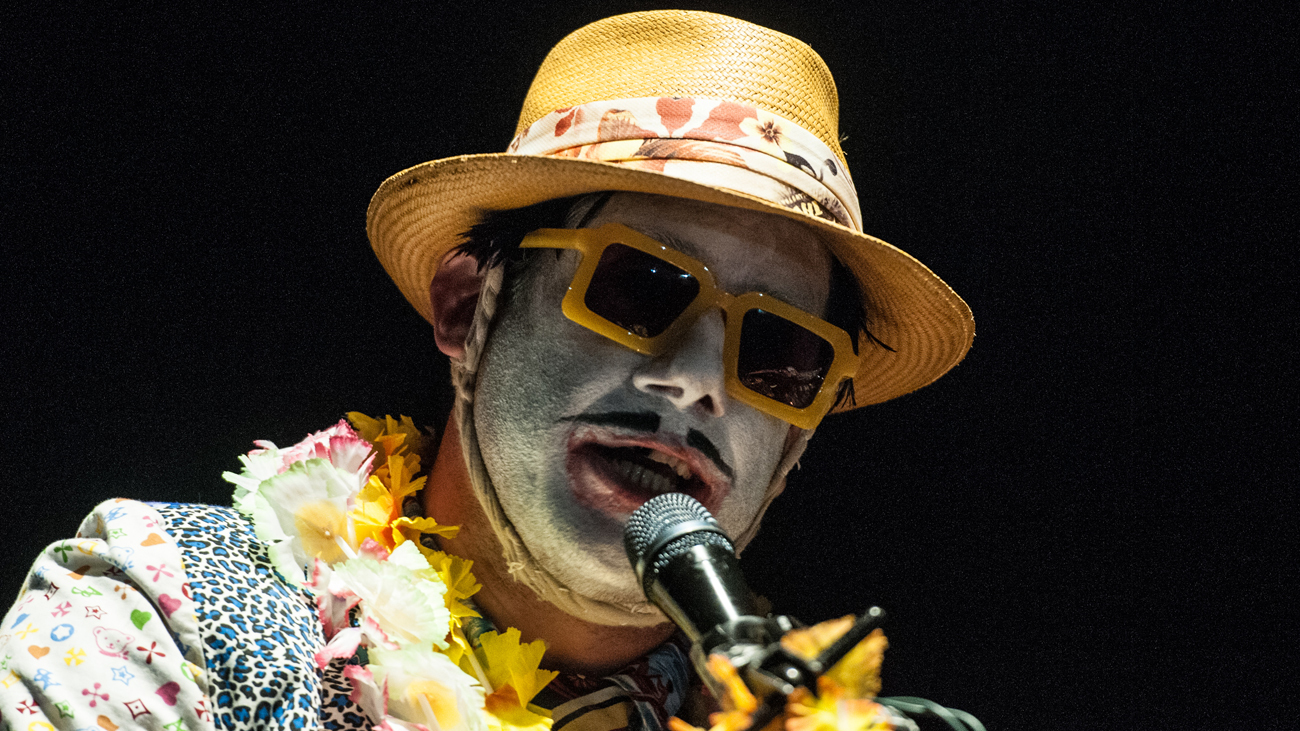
(688, 568)
(686, 564)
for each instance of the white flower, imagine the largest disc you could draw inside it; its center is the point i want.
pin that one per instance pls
(301, 515)
(764, 131)
(334, 611)
(427, 688)
(401, 596)
(339, 445)
(259, 465)
(371, 696)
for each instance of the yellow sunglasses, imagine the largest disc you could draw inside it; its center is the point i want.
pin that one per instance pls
(645, 295)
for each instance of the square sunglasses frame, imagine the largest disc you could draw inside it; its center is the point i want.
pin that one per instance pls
(591, 244)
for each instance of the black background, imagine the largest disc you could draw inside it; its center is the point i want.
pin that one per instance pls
(1085, 525)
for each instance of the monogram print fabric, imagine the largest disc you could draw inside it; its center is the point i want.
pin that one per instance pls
(104, 634)
(168, 616)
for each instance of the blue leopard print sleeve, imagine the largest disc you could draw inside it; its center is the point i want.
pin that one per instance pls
(259, 634)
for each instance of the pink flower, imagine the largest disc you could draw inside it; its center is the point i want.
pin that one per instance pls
(345, 642)
(339, 444)
(340, 447)
(372, 697)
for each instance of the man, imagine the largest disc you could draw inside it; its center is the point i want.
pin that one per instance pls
(661, 286)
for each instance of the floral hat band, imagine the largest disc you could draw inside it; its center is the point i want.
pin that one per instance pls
(715, 142)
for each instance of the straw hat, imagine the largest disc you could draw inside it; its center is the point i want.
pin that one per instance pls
(693, 105)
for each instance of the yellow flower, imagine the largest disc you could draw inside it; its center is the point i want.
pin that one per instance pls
(859, 671)
(461, 584)
(505, 711)
(378, 510)
(844, 692)
(738, 703)
(830, 710)
(396, 474)
(373, 512)
(736, 695)
(461, 652)
(409, 529)
(393, 436)
(400, 482)
(516, 665)
(510, 673)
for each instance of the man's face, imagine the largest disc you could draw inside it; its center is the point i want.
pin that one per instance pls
(577, 431)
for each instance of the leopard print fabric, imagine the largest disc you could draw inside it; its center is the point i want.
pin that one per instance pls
(259, 633)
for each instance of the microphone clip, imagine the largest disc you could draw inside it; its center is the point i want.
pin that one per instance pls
(752, 645)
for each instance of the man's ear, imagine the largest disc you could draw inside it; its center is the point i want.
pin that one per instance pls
(453, 295)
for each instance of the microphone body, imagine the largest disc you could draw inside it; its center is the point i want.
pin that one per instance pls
(688, 568)
(700, 588)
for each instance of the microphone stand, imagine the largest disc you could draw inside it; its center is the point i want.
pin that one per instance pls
(687, 567)
(772, 672)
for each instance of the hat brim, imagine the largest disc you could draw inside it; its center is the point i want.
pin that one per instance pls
(419, 214)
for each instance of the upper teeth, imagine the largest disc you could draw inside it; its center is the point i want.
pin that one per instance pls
(645, 479)
(680, 467)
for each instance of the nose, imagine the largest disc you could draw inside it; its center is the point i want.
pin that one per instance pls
(690, 374)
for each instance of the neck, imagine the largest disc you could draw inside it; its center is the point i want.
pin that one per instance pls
(572, 645)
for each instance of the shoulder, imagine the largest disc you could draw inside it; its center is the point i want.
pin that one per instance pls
(197, 527)
(112, 600)
(259, 630)
(129, 527)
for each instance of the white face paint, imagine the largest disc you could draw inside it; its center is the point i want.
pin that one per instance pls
(577, 431)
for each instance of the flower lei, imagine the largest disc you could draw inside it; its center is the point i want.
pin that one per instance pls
(330, 513)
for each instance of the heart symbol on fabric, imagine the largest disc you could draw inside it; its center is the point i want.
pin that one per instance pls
(168, 693)
(168, 604)
(138, 618)
(107, 724)
(38, 652)
(79, 573)
(153, 540)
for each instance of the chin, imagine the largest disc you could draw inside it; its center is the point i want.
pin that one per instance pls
(596, 571)
(582, 548)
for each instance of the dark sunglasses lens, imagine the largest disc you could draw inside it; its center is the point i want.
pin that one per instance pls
(781, 360)
(639, 292)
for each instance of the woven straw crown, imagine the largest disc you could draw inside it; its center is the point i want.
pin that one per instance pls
(689, 54)
(418, 215)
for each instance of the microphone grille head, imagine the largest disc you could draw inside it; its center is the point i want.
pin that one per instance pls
(681, 545)
(659, 518)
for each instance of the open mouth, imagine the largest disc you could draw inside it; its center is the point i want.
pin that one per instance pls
(618, 478)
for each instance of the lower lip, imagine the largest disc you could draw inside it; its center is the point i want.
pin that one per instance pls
(597, 485)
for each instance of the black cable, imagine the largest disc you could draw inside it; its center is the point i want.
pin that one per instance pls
(912, 706)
